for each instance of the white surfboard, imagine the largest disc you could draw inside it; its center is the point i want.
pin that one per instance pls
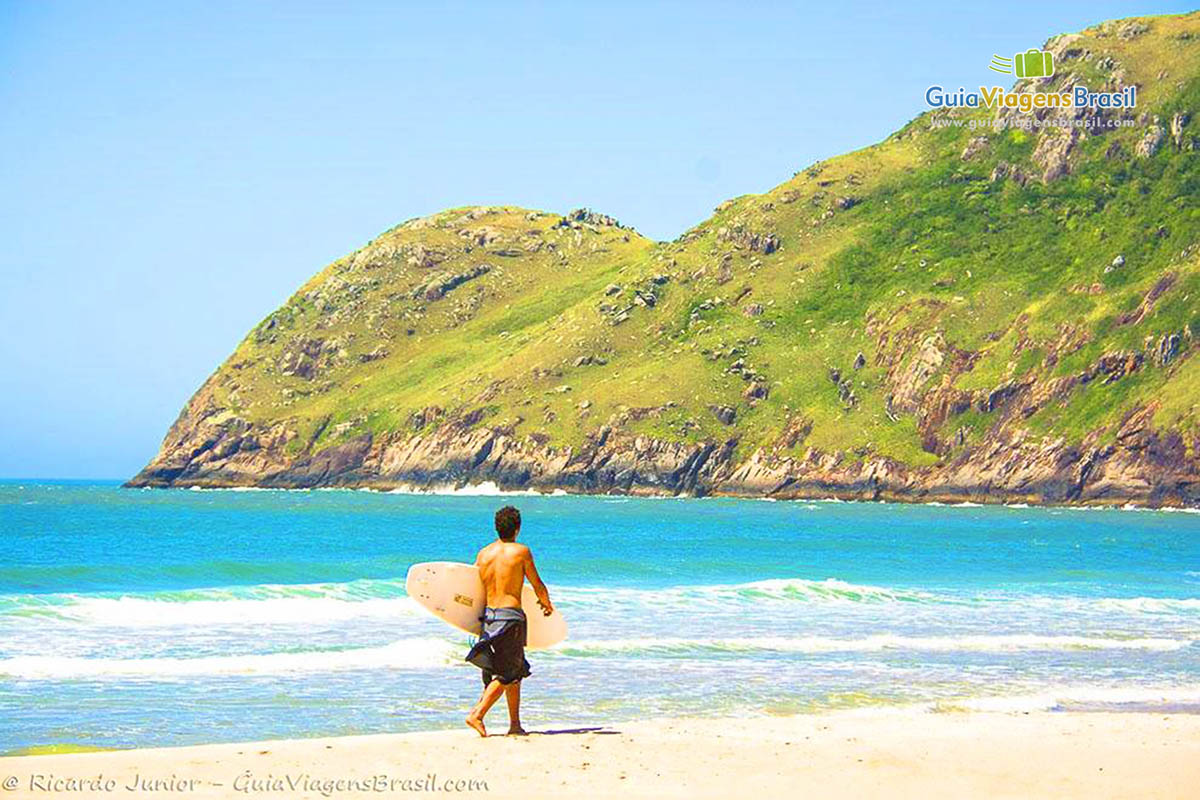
(454, 593)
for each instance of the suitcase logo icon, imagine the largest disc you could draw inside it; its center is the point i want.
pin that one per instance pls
(1030, 64)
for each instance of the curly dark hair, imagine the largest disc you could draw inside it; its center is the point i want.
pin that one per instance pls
(508, 522)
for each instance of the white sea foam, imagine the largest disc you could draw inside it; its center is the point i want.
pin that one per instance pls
(876, 643)
(142, 612)
(264, 604)
(278, 489)
(1155, 509)
(415, 653)
(434, 653)
(386, 599)
(1153, 605)
(483, 489)
(829, 590)
(1086, 696)
(1104, 605)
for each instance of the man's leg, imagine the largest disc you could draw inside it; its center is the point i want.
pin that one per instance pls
(488, 699)
(512, 693)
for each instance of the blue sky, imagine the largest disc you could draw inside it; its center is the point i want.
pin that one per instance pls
(170, 173)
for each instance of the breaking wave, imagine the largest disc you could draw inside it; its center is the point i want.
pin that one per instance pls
(270, 604)
(875, 643)
(414, 653)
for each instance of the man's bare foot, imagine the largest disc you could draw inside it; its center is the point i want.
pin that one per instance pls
(476, 724)
(517, 731)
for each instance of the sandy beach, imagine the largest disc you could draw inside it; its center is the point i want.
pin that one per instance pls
(861, 754)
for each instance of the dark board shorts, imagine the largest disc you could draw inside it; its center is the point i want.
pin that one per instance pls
(500, 651)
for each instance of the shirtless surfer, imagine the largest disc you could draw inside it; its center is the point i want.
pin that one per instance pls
(500, 652)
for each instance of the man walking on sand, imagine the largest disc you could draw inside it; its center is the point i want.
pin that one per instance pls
(500, 652)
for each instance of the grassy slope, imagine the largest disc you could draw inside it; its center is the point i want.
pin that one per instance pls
(931, 246)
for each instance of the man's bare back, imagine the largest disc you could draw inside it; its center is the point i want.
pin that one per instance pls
(504, 566)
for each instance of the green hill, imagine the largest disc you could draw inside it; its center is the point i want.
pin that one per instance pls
(965, 310)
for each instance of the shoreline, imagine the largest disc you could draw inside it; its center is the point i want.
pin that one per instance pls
(860, 753)
(491, 489)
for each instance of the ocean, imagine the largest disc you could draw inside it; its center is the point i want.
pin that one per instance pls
(167, 617)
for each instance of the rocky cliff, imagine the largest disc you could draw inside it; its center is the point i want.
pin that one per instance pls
(974, 309)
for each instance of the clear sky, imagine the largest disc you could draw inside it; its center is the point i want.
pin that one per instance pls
(171, 172)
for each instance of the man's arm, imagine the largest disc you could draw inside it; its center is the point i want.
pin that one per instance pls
(539, 588)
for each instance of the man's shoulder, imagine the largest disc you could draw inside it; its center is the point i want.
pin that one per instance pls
(517, 547)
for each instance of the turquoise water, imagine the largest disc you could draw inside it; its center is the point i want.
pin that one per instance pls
(137, 617)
